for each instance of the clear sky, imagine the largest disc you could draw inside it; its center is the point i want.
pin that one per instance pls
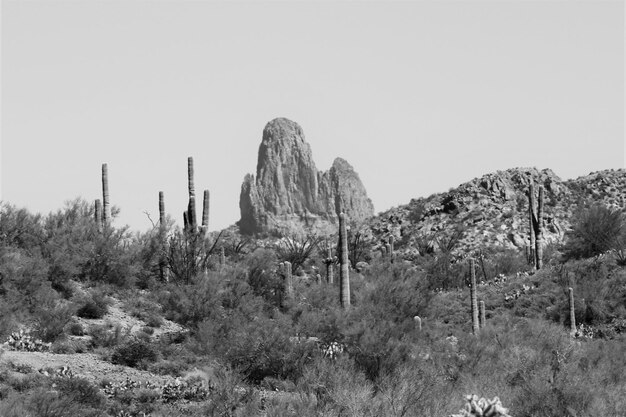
(418, 96)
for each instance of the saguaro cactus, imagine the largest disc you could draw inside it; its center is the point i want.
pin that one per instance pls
(391, 254)
(418, 322)
(344, 272)
(536, 226)
(539, 232)
(98, 215)
(191, 208)
(531, 223)
(105, 196)
(329, 261)
(161, 210)
(474, 300)
(162, 240)
(205, 213)
(483, 317)
(572, 313)
(222, 257)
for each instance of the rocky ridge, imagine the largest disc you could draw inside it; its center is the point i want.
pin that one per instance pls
(492, 210)
(289, 191)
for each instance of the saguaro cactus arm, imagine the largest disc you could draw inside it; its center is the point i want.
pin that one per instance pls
(205, 212)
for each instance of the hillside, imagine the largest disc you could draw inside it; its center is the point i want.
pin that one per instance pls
(493, 210)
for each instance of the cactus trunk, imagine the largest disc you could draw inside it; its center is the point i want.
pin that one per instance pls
(161, 210)
(288, 279)
(539, 232)
(572, 313)
(531, 222)
(474, 300)
(98, 215)
(106, 216)
(330, 273)
(205, 213)
(191, 208)
(391, 254)
(483, 318)
(222, 257)
(344, 272)
(162, 239)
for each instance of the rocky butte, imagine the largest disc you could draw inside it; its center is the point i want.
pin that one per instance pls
(289, 192)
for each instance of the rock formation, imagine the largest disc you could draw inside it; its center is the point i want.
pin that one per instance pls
(288, 189)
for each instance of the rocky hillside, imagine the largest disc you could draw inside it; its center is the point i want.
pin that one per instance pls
(289, 190)
(492, 210)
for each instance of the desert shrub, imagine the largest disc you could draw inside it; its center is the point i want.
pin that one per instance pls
(51, 322)
(81, 391)
(148, 311)
(169, 367)
(192, 303)
(297, 249)
(337, 385)
(595, 229)
(231, 395)
(189, 255)
(75, 329)
(134, 353)
(69, 346)
(260, 348)
(91, 310)
(114, 258)
(107, 335)
(262, 276)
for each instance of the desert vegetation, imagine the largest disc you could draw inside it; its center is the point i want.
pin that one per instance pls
(232, 325)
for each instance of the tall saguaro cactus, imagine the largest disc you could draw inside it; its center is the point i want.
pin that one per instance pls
(473, 296)
(539, 232)
(162, 239)
(106, 217)
(191, 208)
(98, 215)
(344, 272)
(391, 254)
(572, 313)
(205, 213)
(536, 226)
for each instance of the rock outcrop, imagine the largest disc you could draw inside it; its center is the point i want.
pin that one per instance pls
(288, 190)
(492, 211)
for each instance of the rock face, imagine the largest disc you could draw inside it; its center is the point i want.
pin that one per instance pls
(289, 190)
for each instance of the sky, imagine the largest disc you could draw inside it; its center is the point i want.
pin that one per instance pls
(419, 96)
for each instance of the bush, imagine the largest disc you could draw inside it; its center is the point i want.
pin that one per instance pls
(595, 230)
(91, 310)
(76, 329)
(134, 353)
(52, 321)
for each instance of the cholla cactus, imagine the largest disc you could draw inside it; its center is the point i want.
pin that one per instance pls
(480, 407)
